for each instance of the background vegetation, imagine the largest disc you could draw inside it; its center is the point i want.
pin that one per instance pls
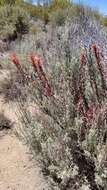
(61, 90)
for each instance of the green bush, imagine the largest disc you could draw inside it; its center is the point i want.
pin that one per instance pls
(46, 17)
(4, 2)
(104, 21)
(59, 4)
(10, 2)
(34, 30)
(14, 21)
(58, 18)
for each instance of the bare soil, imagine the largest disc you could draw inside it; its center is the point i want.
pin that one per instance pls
(18, 171)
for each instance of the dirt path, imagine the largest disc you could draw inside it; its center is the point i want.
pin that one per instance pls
(17, 170)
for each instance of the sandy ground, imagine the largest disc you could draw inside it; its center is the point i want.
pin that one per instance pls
(17, 170)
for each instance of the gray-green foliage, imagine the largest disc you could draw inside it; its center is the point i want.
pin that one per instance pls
(13, 19)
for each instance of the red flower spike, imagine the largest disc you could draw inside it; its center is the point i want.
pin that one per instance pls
(36, 59)
(48, 90)
(16, 62)
(95, 51)
(37, 64)
(94, 47)
(14, 59)
(82, 58)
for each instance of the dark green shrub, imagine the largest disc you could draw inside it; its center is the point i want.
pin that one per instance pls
(46, 17)
(4, 2)
(59, 4)
(104, 21)
(5, 123)
(59, 17)
(14, 21)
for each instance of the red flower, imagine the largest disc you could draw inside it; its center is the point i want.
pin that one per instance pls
(38, 66)
(82, 58)
(96, 51)
(14, 59)
(16, 62)
(94, 47)
(36, 59)
(48, 90)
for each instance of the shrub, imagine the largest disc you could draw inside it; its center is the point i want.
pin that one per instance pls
(46, 17)
(67, 127)
(34, 29)
(14, 21)
(59, 4)
(104, 21)
(43, 12)
(58, 18)
(4, 2)
(5, 123)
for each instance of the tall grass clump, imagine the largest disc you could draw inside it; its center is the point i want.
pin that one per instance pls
(65, 118)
